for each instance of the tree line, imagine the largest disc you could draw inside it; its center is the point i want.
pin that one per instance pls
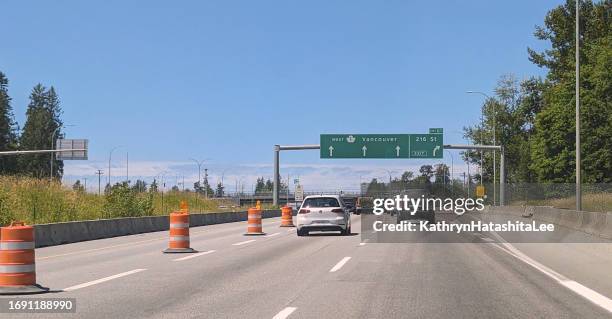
(42, 123)
(534, 119)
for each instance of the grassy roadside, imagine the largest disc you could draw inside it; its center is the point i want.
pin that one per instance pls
(38, 201)
(597, 202)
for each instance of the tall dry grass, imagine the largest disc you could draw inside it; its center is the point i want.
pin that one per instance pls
(39, 201)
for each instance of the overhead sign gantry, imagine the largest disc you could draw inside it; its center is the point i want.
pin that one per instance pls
(382, 145)
(373, 146)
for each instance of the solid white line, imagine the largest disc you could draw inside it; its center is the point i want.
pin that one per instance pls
(95, 282)
(284, 313)
(487, 239)
(291, 230)
(364, 242)
(243, 242)
(340, 264)
(272, 235)
(194, 255)
(586, 292)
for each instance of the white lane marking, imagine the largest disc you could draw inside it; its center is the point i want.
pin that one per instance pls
(291, 230)
(363, 243)
(586, 292)
(284, 313)
(272, 235)
(243, 242)
(101, 280)
(340, 264)
(486, 239)
(195, 255)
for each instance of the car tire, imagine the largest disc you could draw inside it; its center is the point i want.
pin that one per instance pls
(301, 232)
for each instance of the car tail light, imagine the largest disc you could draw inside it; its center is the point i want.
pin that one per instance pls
(337, 210)
(304, 211)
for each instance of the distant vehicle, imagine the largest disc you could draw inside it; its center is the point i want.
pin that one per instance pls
(323, 213)
(420, 215)
(350, 203)
(364, 205)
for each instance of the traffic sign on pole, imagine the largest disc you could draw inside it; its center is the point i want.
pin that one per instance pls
(382, 145)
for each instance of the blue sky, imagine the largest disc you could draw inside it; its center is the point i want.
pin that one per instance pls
(226, 80)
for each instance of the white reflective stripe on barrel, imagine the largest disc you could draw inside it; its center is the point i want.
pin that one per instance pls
(179, 225)
(11, 269)
(179, 238)
(14, 245)
(253, 225)
(254, 216)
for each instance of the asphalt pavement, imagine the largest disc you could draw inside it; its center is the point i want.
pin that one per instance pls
(281, 275)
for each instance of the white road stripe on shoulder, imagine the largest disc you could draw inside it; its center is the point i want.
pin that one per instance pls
(194, 255)
(101, 280)
(243, 242)
(272, 235)
(284, 313)
(340, 264)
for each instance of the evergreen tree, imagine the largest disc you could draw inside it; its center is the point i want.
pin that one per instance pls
(8, 138)
(220, 190)
(154, 188)
(78, 187)
(43, 120)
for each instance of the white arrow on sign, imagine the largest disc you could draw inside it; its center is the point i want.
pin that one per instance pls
(364, 149)
(437, 148)
(331, 151)
(397, 149)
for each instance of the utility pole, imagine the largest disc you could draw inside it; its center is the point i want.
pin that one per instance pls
(578, 175)
(127, 167)
(99, 173)
(85, 186)
(206, 179)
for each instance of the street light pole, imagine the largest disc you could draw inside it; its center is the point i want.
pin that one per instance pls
(110, 154)
(578, 174)
(494, 141)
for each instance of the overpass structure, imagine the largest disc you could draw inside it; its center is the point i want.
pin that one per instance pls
(279, 148)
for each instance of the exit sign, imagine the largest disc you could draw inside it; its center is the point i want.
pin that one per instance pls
(381, 145)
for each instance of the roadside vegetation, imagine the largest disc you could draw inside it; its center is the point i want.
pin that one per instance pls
(38, 201)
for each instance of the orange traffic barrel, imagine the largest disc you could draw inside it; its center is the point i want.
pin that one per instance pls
(287, 217)
(17, 260)
(254, 222)
(179, 233)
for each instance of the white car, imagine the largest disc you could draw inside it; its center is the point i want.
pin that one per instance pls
(323, 213)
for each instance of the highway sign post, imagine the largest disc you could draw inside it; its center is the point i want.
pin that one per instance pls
(299, 193)
(382, 145)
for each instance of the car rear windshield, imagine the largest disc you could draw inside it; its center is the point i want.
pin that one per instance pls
(321, 202)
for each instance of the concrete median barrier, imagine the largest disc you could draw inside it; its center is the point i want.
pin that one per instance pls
(71, 232)
(606, 231)
(593, 223)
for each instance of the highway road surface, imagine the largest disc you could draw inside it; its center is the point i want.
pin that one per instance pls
(281, 275)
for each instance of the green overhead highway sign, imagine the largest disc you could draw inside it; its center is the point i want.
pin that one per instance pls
(382, 145)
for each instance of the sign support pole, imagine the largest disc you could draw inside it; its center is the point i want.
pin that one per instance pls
(502, 163)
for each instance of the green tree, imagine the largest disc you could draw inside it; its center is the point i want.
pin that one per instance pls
(140, 186)
(553, 144)
(8, 137)
(426, 173)
(78, 187)
(154, 188)
(43, 119)
(441, 174)
(260, 185)
(220, 191)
